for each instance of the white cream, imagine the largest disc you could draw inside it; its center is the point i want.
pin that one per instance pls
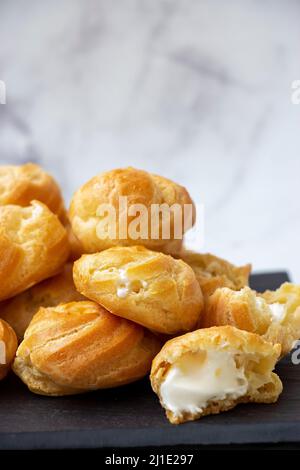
(277, 311)
(260, 303)
(122, 292)
(36, 211)
(199, 378)
(125, 285)
(123, 275)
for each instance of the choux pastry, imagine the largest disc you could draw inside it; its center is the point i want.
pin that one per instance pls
(274, 314)
(79, 347)
(19, 310)
(147, 287)
(213, 272)
(139, 187)
(212, 370)
(33, 246)
(22, 184)
(8, 347)
(76, 248)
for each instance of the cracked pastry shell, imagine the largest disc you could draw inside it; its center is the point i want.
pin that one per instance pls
(140, 187)
(19, 310)
(256, 356)
(147, 287)
(213, 272)
(8, 347)
(252, 312)
(22, 184)
(79, 347)
(33, 246)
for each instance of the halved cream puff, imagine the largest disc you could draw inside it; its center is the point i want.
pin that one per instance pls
(212, 370)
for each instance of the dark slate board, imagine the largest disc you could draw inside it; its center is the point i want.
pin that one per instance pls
(131, 415)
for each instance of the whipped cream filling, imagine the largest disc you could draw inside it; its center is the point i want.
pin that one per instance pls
(125, 285)
(260, 303)
(277, 311)
(36, 210)
(197, 379)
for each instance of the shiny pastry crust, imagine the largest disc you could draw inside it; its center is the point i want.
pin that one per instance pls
(256, 354)
(8, 340)
(78, 347)
(240, 309)
(76, 248)
(163, 294)
(33, 246)
(213, 272)
(19, 310)
(141, 188)
(19, 185)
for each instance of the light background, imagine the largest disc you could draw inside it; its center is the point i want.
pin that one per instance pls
(196, 90)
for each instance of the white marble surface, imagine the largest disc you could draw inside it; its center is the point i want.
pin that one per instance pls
(197, 90)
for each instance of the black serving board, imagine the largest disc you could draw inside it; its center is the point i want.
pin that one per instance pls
(132, 417)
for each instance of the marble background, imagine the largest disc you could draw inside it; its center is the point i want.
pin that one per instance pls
(196, 90)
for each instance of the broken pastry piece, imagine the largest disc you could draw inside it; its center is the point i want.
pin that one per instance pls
(19, 310)
(212, 370)
(213, 272)
(147, 287)
(8, 347)
(79, 347)
(275, 314)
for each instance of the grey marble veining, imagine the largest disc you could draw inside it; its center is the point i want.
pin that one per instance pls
(197, 90)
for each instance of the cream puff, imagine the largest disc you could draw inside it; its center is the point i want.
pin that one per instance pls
(212, 370)
(78, 347)
(213, 272)
(8, 347)
(274, 314)
(19, 310)
(96, 231)
(22, 184)
(76, 248)
(33, 246)
(147, 287)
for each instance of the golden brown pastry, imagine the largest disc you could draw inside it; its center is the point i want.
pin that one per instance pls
(76, 248)
(212, 370)
(275, 315)
(8, 347)
(139, 187)
(19, 310)
(213, 272)
(144, 286)
(33, 246)
(21, 184)
(78, 347)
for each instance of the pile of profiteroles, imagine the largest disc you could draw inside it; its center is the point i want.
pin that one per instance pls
(90, 313)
